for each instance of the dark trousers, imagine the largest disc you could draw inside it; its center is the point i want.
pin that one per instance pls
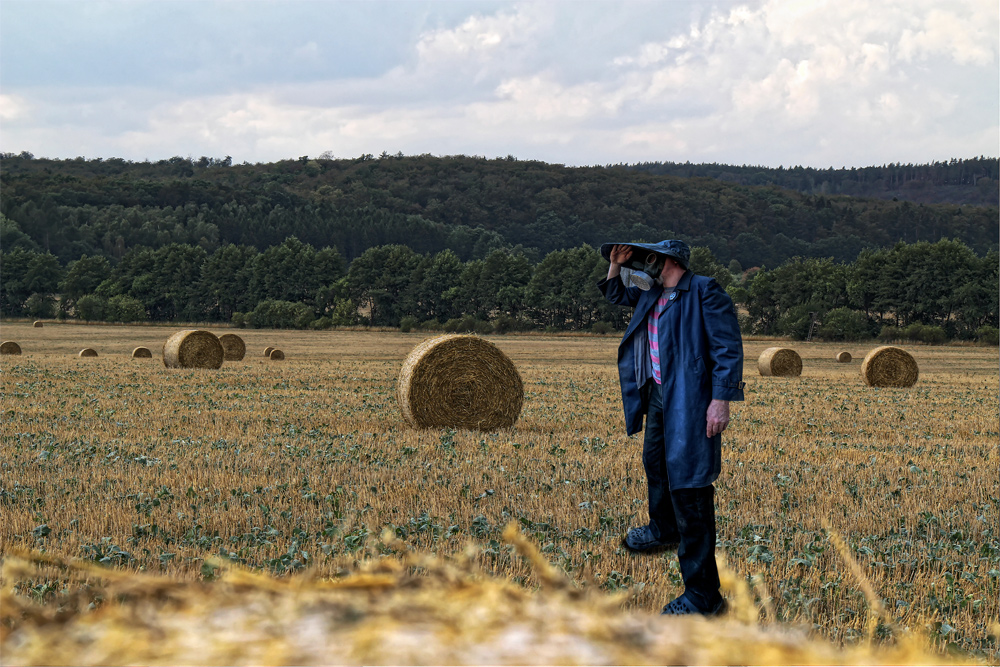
(683, 515)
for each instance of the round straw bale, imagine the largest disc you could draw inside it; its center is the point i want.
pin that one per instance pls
(889, 366)
(142, 353)
(10, 347)
(844, 357)
(233, 347)
(193, 348)
(267, 351)
(276, 355)
(459, 381)
(88, 352)
(37, 324)
(779, 362)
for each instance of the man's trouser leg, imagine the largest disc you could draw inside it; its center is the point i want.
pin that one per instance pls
(695, 513)
(687, 514)
(661, 508)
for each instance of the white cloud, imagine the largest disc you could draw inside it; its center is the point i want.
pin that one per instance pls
(13, 107)
(968, 38)
(796, 69)
(480, 36)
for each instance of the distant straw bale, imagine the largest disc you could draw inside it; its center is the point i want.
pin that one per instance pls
(268, 350)
(37, 324)
(234, 349)
(844, 357)
(889, 366)
(142, 353)
(88, 352)
(779, 362)
(458, 381)
(276, 355)
(193, 348)
(10, 347)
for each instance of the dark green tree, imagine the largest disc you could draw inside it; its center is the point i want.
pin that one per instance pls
(378, 281)
(703, 263)
(82, 277)
(494, 285)
(23, 273)
(225, 281)
(293, 271)
(434, 277)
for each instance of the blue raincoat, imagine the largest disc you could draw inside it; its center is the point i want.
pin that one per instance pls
(701, 358)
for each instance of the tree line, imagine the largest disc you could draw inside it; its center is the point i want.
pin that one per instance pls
(971, 181)
(922, 291)
(470, 205)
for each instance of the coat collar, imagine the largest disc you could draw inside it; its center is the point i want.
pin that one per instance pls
(684, 284)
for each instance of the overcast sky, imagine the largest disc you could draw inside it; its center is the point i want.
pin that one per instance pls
(770, 82)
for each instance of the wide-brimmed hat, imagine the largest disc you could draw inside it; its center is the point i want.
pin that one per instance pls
(674, 249)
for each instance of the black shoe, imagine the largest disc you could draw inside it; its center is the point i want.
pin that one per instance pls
(682, 606)
(641, 540)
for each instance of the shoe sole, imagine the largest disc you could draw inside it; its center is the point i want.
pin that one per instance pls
(721, 610)
(667, 546)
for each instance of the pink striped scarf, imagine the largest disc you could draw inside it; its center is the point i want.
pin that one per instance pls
(652, 329)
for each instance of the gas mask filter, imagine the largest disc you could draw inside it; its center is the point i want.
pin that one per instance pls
(642, 274)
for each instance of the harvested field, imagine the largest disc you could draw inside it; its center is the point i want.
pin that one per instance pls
(298, 469)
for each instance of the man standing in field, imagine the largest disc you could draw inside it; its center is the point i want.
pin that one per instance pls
(679, 363)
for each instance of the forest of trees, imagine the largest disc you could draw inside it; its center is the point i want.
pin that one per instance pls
(466, 242)
(972, 181)
(924, 291)
(469, 205)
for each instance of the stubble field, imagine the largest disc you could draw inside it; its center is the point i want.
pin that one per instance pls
(301, 466)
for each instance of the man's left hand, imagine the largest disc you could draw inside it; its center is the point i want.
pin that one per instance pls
(717, 417)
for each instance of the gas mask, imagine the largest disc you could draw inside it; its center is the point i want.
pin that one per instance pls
(642, 273)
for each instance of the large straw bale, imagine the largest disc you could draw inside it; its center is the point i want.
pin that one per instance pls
(88, 352)
(10, 347)
(779, 362)
(844, 357)
(234, 349)
(37, 324)
(459, 381)
(142, 353)
(276, 355)
(268, 350)
(889, 366)
(193, 348)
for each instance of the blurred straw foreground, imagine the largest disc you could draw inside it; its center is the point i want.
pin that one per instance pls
(403, 608)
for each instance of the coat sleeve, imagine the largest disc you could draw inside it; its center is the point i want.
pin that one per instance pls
(615, 292)
(725, 344)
